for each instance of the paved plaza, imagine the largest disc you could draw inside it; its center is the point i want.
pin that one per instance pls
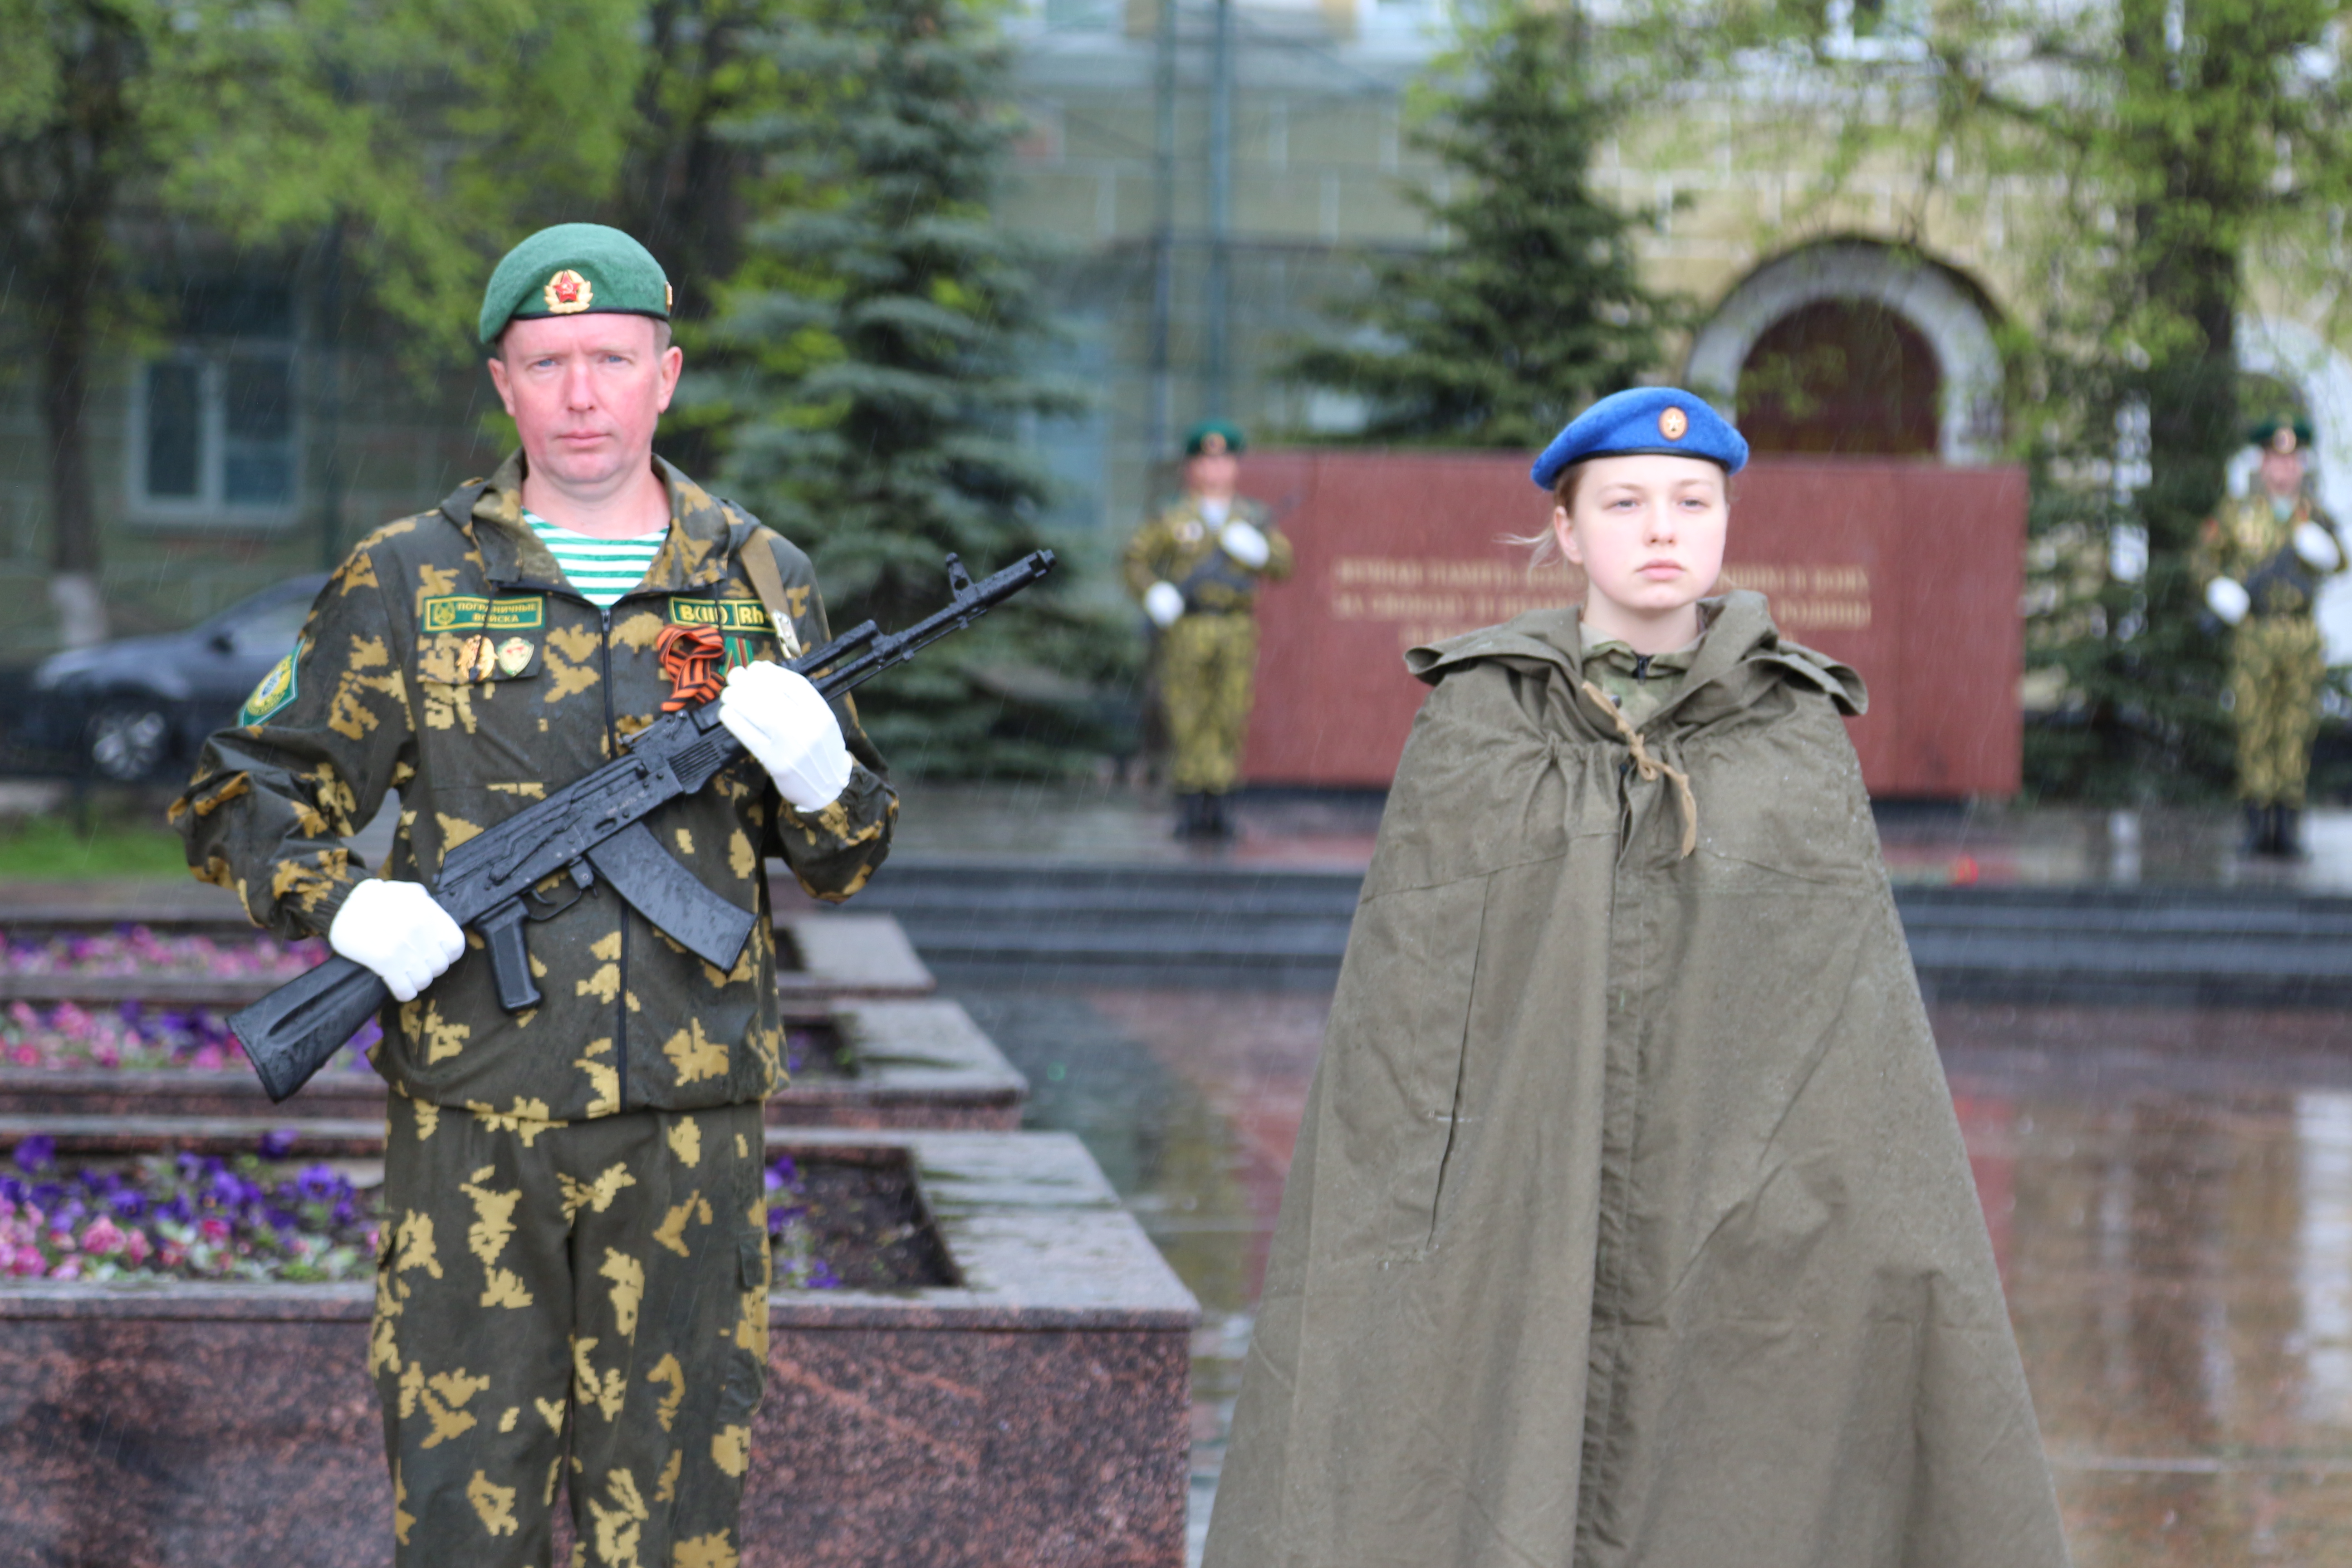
(2169, 1190)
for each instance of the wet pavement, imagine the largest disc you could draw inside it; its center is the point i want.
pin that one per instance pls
(1938, 843)
(2169, 1194)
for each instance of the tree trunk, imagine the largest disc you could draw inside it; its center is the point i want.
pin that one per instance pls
(74, 590)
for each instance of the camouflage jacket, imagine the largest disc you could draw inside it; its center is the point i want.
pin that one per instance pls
(2249, 540)
(447, 658)
(1179, 546)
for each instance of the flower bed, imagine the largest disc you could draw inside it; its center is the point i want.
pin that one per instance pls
(215, 1425)
(854, 1064)
(253, 1216)
(138, 950)
(259, 1214)
(134, 1036)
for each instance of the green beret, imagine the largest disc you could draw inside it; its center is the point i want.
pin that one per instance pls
(2281, 433)
(1214, 436)
(572, 269)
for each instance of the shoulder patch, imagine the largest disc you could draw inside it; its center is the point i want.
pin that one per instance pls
(275, 691)
(473, 612)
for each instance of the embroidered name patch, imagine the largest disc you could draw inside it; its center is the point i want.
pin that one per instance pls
(720, 614)
(472, 613)
(275, 690)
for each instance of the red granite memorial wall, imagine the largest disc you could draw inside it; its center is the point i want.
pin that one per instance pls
(1908, 571)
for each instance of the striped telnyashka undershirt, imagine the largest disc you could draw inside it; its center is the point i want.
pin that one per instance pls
(601, 569)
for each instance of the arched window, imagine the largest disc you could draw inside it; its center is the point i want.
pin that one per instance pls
(1842, 375)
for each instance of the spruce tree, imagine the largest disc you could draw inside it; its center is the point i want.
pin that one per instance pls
(879, 332)
(1533, 305)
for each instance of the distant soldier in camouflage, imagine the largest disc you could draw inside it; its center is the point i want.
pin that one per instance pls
(1197, 567)
(2261, 561)
(572, 1283)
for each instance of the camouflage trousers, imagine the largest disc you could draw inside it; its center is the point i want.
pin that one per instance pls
(585, 1303)
(2276, 669)
(1206, 665)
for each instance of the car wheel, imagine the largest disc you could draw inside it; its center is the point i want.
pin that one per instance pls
(127, 742)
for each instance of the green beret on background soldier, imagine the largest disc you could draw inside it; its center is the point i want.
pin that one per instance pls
(573, 1282)
(2261, 560)
(1197, 567)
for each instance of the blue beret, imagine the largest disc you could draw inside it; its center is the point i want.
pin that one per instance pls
(1645, 419)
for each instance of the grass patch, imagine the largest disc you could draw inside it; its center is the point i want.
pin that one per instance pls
(64, 848)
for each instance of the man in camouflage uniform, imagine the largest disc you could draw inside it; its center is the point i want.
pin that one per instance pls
(1197, 567)
(571, 1282)
(2261, 561)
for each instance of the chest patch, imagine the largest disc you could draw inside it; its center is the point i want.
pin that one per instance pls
(720, 614)
(473, 612)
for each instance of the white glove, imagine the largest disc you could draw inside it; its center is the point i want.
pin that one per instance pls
(396, 929)
(2227, 597)
(1246, 544)
(1164, 603)
(781, 721)
(2318, 547)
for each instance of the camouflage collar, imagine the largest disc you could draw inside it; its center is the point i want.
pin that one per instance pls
(702, 532)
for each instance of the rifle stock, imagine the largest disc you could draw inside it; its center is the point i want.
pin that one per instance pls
(294, 1030)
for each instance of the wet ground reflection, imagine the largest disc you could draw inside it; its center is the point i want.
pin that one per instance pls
(2170, 1194)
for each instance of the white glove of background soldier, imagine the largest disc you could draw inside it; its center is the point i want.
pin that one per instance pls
(2227, 597)
(1164, 603)
(396, 929)
(1246, 544)
(781, 720)
(2318, 547)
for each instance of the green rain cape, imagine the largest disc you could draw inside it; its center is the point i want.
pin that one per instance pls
(1630, 1221)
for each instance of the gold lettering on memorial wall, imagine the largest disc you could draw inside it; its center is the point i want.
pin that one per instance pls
(1832, 597)
(1430, 600)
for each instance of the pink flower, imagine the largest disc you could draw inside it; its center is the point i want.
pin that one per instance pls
(21, 1014)
(69, 1269)
(171, 1254)
(107, 1053)
(135, 1247)
(213, 1229)
(70, 1021)
(103, 1238)
(25, 1261)
(208, 1058)
(25, 1056)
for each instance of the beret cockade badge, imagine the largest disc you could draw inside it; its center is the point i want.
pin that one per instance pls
(567, 293)
(1673, 423)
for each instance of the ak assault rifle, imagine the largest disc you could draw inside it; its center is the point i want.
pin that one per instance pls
(594, 827)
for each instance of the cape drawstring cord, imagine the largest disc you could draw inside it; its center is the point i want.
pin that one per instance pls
(1650, 767)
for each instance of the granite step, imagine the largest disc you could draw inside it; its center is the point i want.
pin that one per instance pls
(1243, 926)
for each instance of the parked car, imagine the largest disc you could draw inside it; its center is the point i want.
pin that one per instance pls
(137, 707)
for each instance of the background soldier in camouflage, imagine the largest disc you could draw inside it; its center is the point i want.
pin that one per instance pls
(2261, 560)
(572, 1275)
(1197, 567)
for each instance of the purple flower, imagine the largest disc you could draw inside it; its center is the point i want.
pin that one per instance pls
(126, 1204)
(37, 1152)
(279, 1143)
(320, 1184)
(821, 1277)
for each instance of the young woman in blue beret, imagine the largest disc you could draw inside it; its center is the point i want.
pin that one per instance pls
(1630, 1222)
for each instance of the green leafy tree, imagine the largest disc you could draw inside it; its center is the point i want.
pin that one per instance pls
(1533, 305)
(2150, 158)
(272, 126)
(880, 336)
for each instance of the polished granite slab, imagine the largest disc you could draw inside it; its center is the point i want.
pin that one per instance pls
(1031, 1411)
